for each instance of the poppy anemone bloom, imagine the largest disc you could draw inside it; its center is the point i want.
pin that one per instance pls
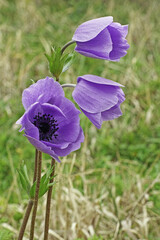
(51, 121)
(98, 98)
(102, 38)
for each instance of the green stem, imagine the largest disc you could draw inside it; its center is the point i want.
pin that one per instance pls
(39, 164)
(48, 205)
(66, 45)
(30, 204)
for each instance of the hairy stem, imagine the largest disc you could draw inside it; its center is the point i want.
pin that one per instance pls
(25, 219)
(66, 45)
(35, 166)
(39, 163)
(48, 205)
(30, 204)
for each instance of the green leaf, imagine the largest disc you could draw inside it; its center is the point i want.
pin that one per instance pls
(51, 184)
(24, 179)
(59, 63)
(33, 190)
(68, 61)
(44, 184)
(47, 56)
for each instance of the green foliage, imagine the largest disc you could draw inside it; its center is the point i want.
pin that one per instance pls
(44, 184)
(31, 188)
(59, 63)
(24, 179)
(68, 61)
(18, 216)
(5, 234)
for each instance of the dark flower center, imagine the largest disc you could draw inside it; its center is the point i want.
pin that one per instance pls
(47, 126)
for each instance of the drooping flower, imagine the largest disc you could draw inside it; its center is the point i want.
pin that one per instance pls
(102, 38)
(98, 98)
(51, 121)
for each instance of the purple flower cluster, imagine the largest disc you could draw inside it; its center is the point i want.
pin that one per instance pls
(100, 98)
(51, 122)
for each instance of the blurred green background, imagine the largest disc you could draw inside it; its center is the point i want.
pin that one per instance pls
(123, 157)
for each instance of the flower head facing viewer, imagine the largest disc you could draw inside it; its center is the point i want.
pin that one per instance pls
(102, 38)
(98, 98)
(50, 122)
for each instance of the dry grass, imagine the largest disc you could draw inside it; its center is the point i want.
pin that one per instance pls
(97, 209)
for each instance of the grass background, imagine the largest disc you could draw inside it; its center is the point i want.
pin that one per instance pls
(109, 189)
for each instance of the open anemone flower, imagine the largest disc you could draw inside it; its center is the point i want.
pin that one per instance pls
(51, 121)
(102, 38)
(98, 98)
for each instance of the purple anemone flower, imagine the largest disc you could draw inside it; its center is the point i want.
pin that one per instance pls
(102, 38)
(98, 98)
(51, 121)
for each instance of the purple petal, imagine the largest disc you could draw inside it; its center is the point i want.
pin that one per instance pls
(98, 80)
(72, 146)
(68, 108)
(120, 95)
(95, 118)
(27, 125)
(123, 29)
(117, 53)
(92, 54)
(111, 114)
(115, 111)
(90, 29)
(41, 92)
(69, 132)
(77, 144)
(42, 147)
(61, 145)
(100, 46)
(120, 44)
(94, 98)
(70, 128)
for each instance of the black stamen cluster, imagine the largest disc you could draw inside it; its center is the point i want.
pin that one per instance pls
(47, 126)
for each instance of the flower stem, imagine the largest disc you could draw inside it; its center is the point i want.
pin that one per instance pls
(48, 206)
(68, 85)
(30, 204)
(35, 166)
(39, 163)
(66, 45)
(25, 219)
